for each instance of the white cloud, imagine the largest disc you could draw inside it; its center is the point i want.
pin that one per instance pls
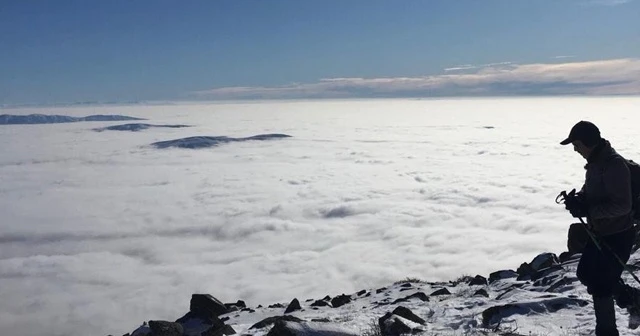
(617, 76)
(101, 232)
(606, 2)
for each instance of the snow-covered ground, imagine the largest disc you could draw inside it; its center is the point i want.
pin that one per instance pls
(100, 230)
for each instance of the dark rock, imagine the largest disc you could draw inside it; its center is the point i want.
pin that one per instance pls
(408, 314)
(481, 292)
(226, 318)
(259, 306)
(565, 256)
(362, 292)
(293, 306)
(380, 290)
(248, 310)
(406, 285)
(219, 331)
(327, 298)
(341, 300)
(323, 320)
(548, 271)
(271, 320)
(276, 305)
(308, 300)
(525, 271)
(211, 141)
(405, 289)
(419, 295)
(135, 127)
(503, 274)
(6, 119)
(321, 303)
(241, 304)
(165, 328)
(441, 291)
(478, 280)
(207, 306)
(368, 294)
(393, 325)
(544, 260)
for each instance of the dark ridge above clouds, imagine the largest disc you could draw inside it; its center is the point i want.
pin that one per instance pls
(136, 127)
(32, 119)
(212, 141)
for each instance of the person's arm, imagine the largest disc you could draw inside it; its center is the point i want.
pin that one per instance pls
(617, 186)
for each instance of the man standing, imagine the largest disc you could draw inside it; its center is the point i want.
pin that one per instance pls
(605, 200)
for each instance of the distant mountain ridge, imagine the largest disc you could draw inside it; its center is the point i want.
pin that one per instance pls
(34, 119)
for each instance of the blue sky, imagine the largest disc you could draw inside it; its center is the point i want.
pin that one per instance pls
(65, 51)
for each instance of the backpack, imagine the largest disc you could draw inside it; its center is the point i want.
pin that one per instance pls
(634, 169)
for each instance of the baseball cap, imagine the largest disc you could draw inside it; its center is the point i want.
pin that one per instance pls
(584, 131)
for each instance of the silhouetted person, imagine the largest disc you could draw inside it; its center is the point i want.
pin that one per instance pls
(605, 200)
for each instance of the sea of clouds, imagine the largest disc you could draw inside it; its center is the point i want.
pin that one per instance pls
(99, 230)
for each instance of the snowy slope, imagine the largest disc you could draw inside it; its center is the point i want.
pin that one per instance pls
(543, 299)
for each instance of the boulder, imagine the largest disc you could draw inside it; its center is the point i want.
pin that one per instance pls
(321, 303)
(544, 260)
(503, 274)
(293, 306)
(288, 328)
(165, 328)
(341, 300)
(271, 320)
(419, 295)
(408, 314)
(441, 291)
(207, 306)
(478, 280)
(394, 325)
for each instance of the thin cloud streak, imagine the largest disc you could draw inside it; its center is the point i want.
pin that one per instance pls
(606, 2)
(605, 77)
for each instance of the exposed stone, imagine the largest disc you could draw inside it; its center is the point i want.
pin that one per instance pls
(276, 305)
(207, 306)
(494, 315)
(287, 328)
(321, 303)
(280, 329)
(271, 320)
(380, 290)
(165, 328)
(408, 314)
(293, 306)
(481, 292)
(406, 285)
(362, 292)
(419, 295)
(326, 298)
(341, 300)
(441, 291)
(478, 280)
(503, 274)
(525, 271)
(394, 325)
(544, 260)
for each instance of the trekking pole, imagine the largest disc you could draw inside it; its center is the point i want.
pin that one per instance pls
(560, 200)
(595, 241)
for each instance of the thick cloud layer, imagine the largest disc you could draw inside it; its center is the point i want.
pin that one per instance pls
(102, 230)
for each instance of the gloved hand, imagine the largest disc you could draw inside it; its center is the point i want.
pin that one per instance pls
(576, 205)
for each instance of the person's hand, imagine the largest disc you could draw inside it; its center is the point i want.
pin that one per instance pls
(576, 206)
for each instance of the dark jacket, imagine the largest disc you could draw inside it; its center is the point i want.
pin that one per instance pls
(607, 191)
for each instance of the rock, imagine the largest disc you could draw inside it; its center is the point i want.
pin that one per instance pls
(321, 303)
(271, 320)
(394, 325)
(565, 256)
(525, 271)
(406, 285)
(479, 280)
(481, 292)
(165, 328)
(441, 291)
(287, 328)
(419, 295)
(219, 331)
(408, 314)
(326, 298)
(380, 290)
(341, 300)
(293, 306)
(362, 292)
(503, 274)
(276, 305)
(207, 306)
(323, 320)
(544, 260)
